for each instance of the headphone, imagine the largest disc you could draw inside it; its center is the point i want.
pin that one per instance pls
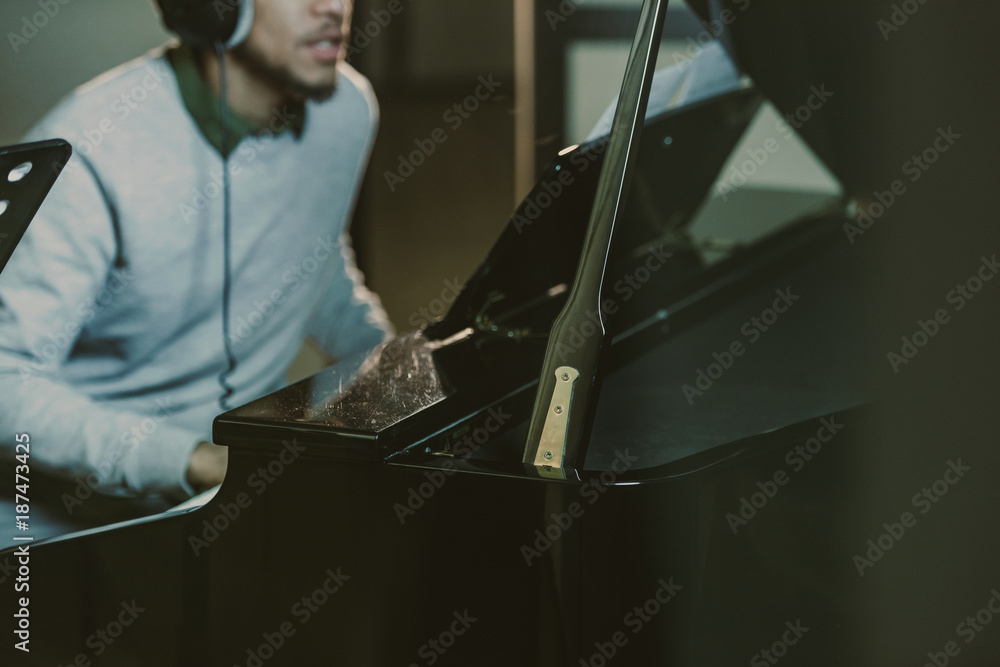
(204, 23)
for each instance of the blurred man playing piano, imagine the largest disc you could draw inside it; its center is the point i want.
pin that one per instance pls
(112, 352)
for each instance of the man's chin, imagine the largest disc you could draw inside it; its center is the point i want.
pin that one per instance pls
(316, 93)
(318, 87)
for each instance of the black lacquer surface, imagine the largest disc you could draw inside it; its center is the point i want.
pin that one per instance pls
(405, 401)
(490, 343)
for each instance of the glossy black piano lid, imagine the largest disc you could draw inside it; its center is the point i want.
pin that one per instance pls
(370, 408)
(405, 402)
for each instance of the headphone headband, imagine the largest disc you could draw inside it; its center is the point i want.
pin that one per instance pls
(203, 23)
(243, 24)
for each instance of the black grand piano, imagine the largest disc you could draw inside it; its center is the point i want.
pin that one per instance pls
(745, 479)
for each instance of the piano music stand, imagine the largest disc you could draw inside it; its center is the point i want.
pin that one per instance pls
(27, 173)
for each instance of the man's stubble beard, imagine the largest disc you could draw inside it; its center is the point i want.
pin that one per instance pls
(281, 76)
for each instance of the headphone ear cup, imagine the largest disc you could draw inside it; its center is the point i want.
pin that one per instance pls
(203, 23)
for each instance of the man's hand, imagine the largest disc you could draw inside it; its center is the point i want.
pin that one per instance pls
(207, 466)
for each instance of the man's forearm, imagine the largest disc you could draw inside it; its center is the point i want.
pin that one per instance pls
(129, 452)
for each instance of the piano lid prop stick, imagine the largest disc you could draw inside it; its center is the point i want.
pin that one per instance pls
(568, 382)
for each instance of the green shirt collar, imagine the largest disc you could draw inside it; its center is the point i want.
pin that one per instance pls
(203, 104)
